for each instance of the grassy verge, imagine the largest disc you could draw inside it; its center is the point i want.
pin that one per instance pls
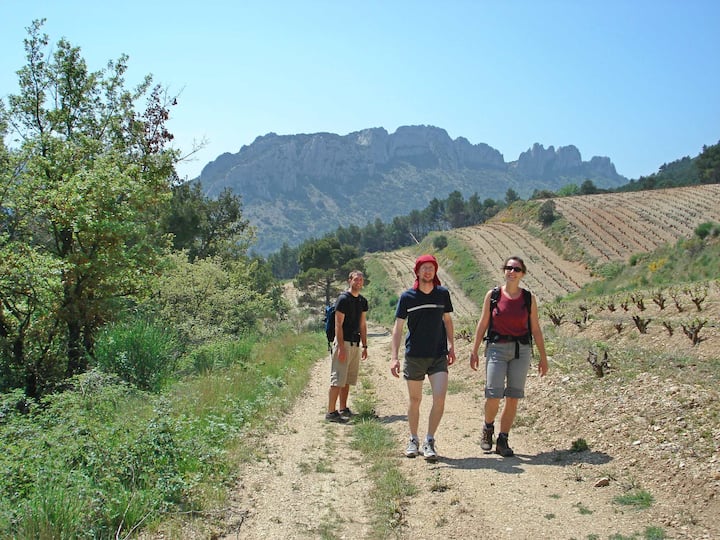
(379, 293)
(104, 460)
(377, 444)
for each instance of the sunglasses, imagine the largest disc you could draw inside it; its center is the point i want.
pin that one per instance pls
(517, 269)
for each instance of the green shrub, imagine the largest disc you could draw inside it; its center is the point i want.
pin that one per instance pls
(705, 229)
(546, 212)
(440, 242)
(638, 499)
(140, 352)
(211, 356)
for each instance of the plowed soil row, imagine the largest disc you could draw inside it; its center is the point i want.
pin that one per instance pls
(614, 226)
(549, 275)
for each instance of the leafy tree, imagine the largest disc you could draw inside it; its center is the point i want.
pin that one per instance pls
(708, 164)
(546, 212)
(568, 190)
(588, 188)
(455, 210)
(324, 262)
(207, 227)
(284, 263)
(475, 210)
(81, 197)
(511, 196)
(543, 194)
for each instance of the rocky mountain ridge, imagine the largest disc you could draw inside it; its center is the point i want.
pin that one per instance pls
(294, 187)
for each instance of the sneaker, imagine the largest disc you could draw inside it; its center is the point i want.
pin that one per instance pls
(429, 450)
(346, 413)
(335, 417)
(487, 438)
(413, 448)
(502, 447)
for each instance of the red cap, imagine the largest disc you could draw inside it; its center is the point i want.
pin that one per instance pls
(419, 262)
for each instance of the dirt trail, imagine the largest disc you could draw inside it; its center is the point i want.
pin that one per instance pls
(312, 484)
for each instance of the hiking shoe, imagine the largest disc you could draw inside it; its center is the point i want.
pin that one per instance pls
(335, 417)
(502, 447)
(429, 450)
(346, 413)
(413, 448)
(487, 438)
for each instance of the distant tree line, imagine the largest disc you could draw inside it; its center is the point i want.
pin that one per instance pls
(439, 215)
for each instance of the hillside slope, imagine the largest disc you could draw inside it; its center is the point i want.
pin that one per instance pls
(651, 467)
(601, 228)
(613, 226)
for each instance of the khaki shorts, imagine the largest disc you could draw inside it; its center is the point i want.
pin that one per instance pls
(345, 373)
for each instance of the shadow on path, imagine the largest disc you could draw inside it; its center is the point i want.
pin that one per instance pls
(517, 463)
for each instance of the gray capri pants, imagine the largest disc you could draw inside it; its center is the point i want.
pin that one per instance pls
(502, 367)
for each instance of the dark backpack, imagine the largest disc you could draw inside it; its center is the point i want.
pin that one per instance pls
(330, 323)
(494, 299)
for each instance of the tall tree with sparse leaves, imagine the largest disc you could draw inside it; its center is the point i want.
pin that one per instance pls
(83, 176)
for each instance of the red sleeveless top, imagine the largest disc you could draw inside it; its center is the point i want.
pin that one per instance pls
(510, 317)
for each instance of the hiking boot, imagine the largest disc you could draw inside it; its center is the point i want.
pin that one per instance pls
(429, 450)
(487, 438)
(335, 417)
(502, 447)
(346, 413)
(413, 448)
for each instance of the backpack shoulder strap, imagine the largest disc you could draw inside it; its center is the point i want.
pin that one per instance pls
(528, 299)
(528, 304)
(494, 299)
(495, 296)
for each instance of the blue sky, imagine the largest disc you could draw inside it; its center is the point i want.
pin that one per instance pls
(634, 80)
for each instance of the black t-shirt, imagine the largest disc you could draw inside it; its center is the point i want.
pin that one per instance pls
(426, 336)
(352, 307)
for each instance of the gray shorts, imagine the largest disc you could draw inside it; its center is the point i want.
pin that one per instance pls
(345, 373)
(415, 368)
(506, 375)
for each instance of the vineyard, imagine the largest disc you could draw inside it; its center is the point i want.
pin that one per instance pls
(613, 227)
(549, 275)
(616, 225)
(606, 227)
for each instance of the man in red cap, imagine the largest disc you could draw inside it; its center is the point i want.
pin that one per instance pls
(429, 349)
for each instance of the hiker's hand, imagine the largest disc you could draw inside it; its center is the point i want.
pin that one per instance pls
(543, 367)
(474, 361)
(451, 356)
(395, 368)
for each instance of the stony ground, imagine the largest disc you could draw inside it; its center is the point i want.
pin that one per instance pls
(658, 435)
